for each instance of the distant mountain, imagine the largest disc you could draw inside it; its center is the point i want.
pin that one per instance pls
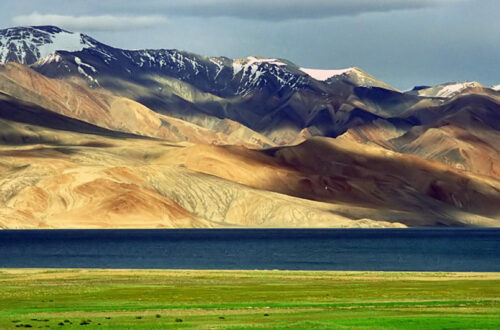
(445, 90)
(114, 113)
(26, 45)
(94, 136)
(355, 76)
(462, 132)
(262, 94)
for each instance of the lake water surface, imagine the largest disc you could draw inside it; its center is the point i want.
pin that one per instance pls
(286, 249)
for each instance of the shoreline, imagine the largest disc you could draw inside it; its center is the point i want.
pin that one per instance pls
(259, 228)
(458, 274)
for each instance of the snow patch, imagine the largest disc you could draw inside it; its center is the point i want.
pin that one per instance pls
(219, 64)
(50, 59)
(28, 45)
(496, 88)
(253, 62)
(79, 62)
(237, 67)
(86, 75)
(66, 41)
(453, 89)
(323, 75)
(254, 72)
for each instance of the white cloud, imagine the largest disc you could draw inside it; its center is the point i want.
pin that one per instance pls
(271, 9)
(91, 23)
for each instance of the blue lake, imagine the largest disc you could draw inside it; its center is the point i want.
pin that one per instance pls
(288, 249)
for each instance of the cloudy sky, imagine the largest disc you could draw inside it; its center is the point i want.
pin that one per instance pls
(403, 42)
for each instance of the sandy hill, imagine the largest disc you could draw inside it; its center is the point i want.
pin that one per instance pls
(92, 136)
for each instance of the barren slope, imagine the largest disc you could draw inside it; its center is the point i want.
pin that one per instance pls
(67, 179)
(463, 132)
(91, 181)
(101, 108)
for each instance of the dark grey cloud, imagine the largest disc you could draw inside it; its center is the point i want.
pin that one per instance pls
(274, 9)
(404, 43)
(91, 23)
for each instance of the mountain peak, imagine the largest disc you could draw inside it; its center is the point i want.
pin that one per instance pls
(448, 90)
(47, 28)
(58, 53)
(323, 75)
(27, 45)
(51, 29)
(354, 75)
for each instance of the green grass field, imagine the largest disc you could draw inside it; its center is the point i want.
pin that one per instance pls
(154, 299)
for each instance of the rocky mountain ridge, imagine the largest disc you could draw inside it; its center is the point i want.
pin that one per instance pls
(93, 136)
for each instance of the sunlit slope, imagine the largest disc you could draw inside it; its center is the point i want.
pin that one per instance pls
(89, 181)
(331, 171)
(59, 172)
(463, 132)
(98, 107)
(69, 179)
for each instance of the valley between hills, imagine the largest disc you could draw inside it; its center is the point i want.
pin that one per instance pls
(93, 136)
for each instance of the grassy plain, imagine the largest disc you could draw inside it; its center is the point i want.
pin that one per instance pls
(159, 299)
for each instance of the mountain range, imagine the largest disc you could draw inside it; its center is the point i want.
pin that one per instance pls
(93, 136)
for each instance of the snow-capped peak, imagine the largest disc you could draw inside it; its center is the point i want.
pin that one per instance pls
(496, 88)
(67, 41)
(452, 89)
(251, 61)
(253, 72)
(447, 90)
(352, 75)
(323, 75)
(27, 45)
